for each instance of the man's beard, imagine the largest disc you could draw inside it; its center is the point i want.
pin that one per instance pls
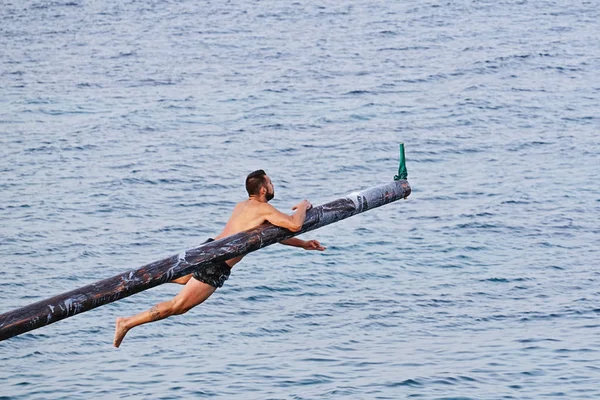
(269, 196)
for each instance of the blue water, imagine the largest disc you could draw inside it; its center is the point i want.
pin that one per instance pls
(126, 131)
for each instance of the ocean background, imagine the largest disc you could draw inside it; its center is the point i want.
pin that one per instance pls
(127, 129)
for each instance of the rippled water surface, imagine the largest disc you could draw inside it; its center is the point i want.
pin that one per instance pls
(126, 131)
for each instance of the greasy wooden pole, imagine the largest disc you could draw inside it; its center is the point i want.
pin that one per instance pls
(108, 290)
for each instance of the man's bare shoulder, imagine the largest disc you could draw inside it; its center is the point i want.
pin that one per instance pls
(256, 206)
(250, 209)
(266, 209)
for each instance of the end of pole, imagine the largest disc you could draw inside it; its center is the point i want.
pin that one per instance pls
(402, 172)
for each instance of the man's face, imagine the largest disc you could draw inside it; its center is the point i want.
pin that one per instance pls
(270, 189)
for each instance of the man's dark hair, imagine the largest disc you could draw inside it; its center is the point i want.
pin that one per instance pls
(255, 181)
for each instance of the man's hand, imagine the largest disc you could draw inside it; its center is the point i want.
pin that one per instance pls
(304, 203)
(313, 245)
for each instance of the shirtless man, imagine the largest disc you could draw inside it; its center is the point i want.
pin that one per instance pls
(201, 284)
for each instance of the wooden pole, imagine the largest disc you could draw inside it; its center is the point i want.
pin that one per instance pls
(112, 289)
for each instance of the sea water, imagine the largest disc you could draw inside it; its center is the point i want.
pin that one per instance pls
(127, 129)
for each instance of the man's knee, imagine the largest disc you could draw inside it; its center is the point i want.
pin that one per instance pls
(179, 306)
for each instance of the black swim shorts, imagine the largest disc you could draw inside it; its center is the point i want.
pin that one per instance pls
(214, 275)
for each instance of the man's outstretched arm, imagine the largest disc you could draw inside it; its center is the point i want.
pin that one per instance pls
(291, 222)
(294, 242)
(305, 244)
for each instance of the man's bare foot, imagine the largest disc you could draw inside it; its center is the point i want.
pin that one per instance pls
(120, 331)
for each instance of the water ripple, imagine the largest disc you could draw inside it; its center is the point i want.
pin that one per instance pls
(127, 129)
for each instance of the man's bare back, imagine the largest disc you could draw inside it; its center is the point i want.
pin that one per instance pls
(246, 215)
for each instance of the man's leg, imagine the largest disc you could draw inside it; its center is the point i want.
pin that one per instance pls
(192, 294)
(182, 280)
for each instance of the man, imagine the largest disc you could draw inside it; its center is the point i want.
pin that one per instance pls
(201, 284)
